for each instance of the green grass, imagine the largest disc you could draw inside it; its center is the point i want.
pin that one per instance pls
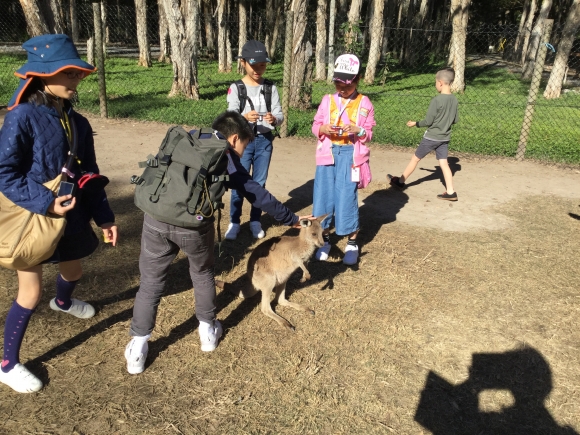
(491, 110)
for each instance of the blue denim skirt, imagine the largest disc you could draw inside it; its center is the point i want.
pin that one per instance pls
(335, 193)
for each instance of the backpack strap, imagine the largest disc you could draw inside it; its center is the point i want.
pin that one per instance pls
(243, 95)
(267, 93)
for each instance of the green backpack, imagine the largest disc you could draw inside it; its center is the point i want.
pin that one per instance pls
(184, 183)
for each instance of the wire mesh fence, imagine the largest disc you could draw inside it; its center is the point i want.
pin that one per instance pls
(399, 59)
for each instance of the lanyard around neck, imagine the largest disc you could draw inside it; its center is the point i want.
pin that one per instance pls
(342, 108)
(65, 121)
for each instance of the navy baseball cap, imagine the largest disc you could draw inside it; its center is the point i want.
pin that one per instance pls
(254, 52)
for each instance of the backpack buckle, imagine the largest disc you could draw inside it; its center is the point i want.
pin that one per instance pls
(164, 161)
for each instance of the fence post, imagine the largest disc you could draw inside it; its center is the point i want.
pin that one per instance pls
(534, 90)
(289, 39)
(100, 58)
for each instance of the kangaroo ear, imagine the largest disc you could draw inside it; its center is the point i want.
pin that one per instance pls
(305, 223)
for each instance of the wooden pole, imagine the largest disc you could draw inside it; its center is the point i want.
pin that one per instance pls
(100, 58)
(287, 71)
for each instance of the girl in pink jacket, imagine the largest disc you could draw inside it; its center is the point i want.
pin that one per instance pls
(343, 125)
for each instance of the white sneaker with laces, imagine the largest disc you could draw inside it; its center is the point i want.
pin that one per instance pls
(350, 255)
(257, 230)
(79, 309)
(232, 231)
(209, 336)
(322, 253)
(136, 354)
(21, 380)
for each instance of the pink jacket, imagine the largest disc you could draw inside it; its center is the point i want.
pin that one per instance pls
(361, 151)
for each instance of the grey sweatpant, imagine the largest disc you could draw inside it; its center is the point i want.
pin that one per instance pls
(160, 243)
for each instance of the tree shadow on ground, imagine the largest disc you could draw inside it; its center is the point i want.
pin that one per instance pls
(437, 174)
(447, 409)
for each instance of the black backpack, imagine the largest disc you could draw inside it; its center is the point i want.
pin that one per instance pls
(184, 183)
(266, 92)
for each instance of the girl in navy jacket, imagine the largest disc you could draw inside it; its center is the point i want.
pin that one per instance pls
(37, 141)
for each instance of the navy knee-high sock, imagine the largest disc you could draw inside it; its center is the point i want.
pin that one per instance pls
(14, 329)
(64, 291)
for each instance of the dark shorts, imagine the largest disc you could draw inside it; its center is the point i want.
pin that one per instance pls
(75, 246)
(428, 145)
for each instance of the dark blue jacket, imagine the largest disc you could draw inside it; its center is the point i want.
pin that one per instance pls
(33, 150)
(257, 195)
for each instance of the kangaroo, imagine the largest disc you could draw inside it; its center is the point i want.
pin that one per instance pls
(273, 261)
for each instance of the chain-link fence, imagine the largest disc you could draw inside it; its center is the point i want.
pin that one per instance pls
(499, 116)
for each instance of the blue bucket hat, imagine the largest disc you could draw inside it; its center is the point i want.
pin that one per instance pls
(47, 55)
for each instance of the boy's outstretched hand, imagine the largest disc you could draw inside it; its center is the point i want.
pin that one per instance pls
(309, 217)
(411, 123)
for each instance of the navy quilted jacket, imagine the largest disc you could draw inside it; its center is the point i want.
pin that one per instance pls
(33, 150)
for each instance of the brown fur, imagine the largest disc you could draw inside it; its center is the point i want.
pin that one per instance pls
(273, 262)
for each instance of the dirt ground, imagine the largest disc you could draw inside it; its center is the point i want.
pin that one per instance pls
(460, 318)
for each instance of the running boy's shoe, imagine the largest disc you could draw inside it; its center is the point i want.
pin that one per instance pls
(395, 181)
(448, 197)
(21, 380)
(80, 309)
(209, 336)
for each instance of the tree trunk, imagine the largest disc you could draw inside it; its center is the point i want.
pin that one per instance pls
(535, 40)
(243, 35)
(518, 41)
(353, 19)
(74, 21)
(192, 33)
(222, 35)
(273, 41)
(301, 83)
(528, 30)
(91, 50)
(321, 40)
(35, 20)
(331, 53)
(55, 18)
(554, 86)
(163, 35)
(460, 14)
(376, 38)
(105, 20)
(209, 28)
(142, 39)
(183, 54)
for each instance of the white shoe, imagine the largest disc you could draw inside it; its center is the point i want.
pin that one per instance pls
(257, 230)
(136, 354)
(322, 253)
(21, 380)
(79, 309)
(209, 336)
(232, 232)
(350, 255)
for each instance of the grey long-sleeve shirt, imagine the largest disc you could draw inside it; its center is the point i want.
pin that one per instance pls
(441, 115)
(254, 92)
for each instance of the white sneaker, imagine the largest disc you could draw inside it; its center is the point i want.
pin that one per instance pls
(257, 230)
(79, 309)
(21, 380)
(232, 232)
(136, 354)
(209, 336)
(322, 253)
(350, 255)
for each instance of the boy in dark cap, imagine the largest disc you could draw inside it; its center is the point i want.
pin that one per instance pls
(258, 101)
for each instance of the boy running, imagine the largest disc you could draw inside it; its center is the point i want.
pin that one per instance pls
(441, 115)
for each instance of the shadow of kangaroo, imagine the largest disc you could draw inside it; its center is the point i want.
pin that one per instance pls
(272, 263)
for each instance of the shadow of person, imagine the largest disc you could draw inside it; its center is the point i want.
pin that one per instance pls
(437, 174)
(450, 409)
(379, 208)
